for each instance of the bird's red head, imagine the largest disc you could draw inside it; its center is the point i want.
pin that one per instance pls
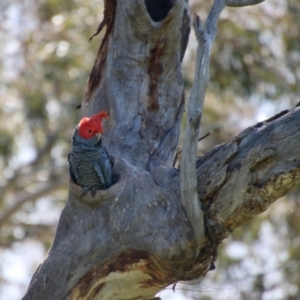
(88, 127)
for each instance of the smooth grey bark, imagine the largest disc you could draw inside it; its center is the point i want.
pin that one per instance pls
(188, 179)
(138, 236)
(137, 78)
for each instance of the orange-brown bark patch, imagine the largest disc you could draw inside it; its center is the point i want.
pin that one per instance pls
(98, 68)
(91, 284)
(155, 69)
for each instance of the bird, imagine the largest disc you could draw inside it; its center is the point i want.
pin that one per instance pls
(89, 163)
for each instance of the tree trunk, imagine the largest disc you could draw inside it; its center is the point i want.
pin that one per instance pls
(148, 230)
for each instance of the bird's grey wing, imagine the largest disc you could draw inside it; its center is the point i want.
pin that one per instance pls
(73, 171)
(98, 169)
(106, 168)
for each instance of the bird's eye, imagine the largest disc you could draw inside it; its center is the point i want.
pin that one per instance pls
(90, 130)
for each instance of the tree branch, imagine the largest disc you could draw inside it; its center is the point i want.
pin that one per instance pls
(29, 166)
(242, 178)
(189, 195)
(30, 197)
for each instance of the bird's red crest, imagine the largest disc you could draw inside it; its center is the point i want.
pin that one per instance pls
(88, 127)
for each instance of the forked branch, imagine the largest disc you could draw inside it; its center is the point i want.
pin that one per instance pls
(188, 181)
(205, 37)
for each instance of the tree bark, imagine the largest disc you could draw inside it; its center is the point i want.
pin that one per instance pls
(140, 235)
(137, 78)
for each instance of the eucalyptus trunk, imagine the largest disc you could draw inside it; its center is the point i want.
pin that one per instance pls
(157, 224)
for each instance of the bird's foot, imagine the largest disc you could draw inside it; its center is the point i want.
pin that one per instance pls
(93, 192)
(84, 191)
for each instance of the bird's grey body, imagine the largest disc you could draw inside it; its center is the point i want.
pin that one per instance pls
(89, 163)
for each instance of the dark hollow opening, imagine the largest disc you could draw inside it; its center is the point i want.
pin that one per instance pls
(158, 9)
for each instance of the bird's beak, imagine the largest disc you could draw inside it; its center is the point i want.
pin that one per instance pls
(98, 135)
